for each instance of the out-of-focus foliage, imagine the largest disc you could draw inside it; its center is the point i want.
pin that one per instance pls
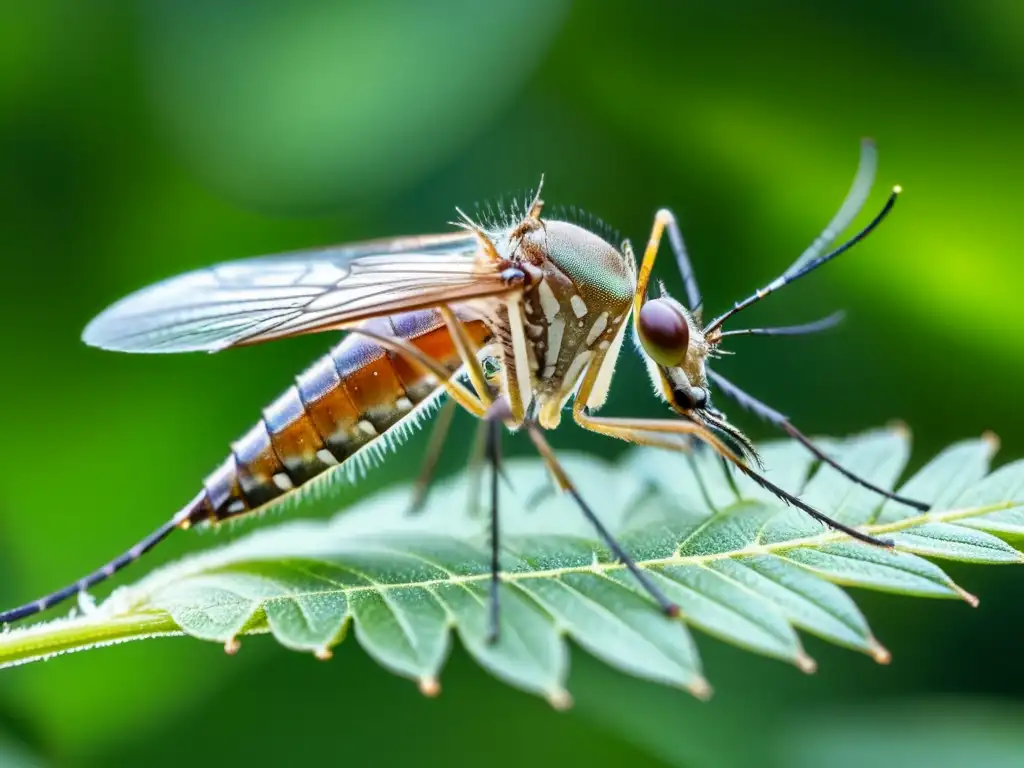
(319, 104)
(14, 755)
(124, 159)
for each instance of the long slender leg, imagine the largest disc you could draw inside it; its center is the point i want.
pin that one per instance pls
(493, 421)
(675, 239)
(776, 419)
(651, 432)
(493, 454)
(476, 462)
(632, 430)
(541, 493)
(667, 606)
(455, 390)
(470, 355)
(100, 575)
(665, 223)
(662, 219)
(493, 414)
(442, 426)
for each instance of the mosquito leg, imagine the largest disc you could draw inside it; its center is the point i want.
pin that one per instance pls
(670, 432)
(492, 451)
(455, 390)
(675, 239)
(821, 517)
(470, 355)
(541, 493)
(776, 419)
(655, 432)
(475, 463)
(662, 219)
(667, 606)
(434, 449)
(180, 520)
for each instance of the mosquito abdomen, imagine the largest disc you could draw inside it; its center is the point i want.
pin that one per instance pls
(348, 399)
(345, 401)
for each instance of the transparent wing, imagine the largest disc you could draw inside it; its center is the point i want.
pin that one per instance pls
(270, 297)
(848, 211)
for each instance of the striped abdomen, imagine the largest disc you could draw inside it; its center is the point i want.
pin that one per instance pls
(343, 402)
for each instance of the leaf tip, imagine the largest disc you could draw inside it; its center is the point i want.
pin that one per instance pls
(991, 440)
(966, 596)
(232, 646)
(560, 699)
(323, 654)
(878, 652)
(700, 689)
(430, 687)
(899, 428)
(805, 663)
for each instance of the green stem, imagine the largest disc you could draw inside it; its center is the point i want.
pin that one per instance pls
(20, 646)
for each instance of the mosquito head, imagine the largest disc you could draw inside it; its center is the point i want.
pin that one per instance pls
(675, 350)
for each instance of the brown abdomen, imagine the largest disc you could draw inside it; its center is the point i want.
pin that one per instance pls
(346, 400)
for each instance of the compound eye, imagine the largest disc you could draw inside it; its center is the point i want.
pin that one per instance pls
(664, 332)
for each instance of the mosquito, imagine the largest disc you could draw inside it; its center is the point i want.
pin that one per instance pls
(510, 319)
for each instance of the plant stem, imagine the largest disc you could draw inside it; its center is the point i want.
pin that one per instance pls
(41, 641)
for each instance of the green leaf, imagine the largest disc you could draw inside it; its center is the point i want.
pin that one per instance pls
(741, 566)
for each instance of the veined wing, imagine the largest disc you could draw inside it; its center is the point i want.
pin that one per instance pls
(270, 297)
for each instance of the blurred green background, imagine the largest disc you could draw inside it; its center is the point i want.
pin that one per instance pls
(141, 139)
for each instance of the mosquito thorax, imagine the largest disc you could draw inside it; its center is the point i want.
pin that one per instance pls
(579, 293)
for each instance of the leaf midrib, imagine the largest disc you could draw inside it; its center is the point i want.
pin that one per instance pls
(598, 567)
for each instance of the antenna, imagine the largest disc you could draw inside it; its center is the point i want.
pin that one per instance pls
(810, 266)
(791, 330)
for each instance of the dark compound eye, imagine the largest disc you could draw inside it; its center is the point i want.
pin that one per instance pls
(664, 332)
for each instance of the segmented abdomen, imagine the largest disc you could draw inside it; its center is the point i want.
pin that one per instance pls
(346, 400)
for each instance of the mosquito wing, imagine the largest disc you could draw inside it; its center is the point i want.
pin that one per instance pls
(271, 297)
